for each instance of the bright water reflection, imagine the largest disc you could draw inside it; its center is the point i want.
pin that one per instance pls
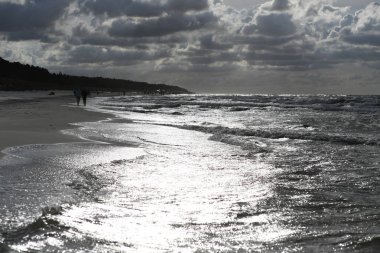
(181, 197)
(202, 174)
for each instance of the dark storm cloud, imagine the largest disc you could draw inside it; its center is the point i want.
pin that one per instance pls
(186, 5)
(196, 55)
(115, 8)
(33, 34)
(135, 8)
(363, 39)
(93, 54)
(275, 24)
(81, 35)
(141, 25)
(347, 54)
(212, 58)
(30, 20)
(161, 26)
(208, 42)
(261, 42)
(280, 5)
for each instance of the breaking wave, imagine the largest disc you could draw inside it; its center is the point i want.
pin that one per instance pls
(219, 131)
(244, 103)
(43, 225)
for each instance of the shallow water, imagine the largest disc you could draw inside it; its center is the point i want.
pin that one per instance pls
(202, 174)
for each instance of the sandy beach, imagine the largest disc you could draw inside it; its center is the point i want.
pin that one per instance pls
(32, 118)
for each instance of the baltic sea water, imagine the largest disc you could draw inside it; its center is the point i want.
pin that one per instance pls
(202, 173)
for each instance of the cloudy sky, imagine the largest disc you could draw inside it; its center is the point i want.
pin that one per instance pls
(230, 46)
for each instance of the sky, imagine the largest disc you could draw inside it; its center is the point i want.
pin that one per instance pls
(206, 46)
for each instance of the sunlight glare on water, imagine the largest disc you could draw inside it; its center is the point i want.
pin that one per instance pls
(202, 174)
(181, 195)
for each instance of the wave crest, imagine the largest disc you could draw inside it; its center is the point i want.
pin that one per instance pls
(278, 134)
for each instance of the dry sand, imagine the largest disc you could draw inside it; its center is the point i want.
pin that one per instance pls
(38, 120)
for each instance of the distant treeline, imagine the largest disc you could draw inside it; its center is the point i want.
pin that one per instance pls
(17, 76)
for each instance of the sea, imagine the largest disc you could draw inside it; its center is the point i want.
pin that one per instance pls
(201, 173)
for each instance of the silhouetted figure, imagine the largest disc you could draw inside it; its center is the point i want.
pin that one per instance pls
(84, 94)
(77, 94)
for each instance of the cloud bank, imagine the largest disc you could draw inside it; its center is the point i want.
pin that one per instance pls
(191, 37)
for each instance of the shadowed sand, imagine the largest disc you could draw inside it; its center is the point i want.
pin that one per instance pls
(38, 120)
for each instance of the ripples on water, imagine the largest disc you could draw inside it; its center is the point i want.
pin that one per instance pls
(202, 174)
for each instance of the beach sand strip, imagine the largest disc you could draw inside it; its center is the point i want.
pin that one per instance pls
(39, 120)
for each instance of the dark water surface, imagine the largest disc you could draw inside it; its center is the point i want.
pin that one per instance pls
(202, 174)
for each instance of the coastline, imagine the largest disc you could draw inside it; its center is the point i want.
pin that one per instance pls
(39, 120)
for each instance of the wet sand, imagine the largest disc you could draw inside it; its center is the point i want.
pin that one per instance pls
(38, 120)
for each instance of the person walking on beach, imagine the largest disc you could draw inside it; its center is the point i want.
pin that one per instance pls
(77, 94)
(84, 94)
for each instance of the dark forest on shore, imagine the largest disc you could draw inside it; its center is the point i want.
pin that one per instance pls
(18, 77)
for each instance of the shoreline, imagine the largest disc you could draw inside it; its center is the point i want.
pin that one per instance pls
(40, 120)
